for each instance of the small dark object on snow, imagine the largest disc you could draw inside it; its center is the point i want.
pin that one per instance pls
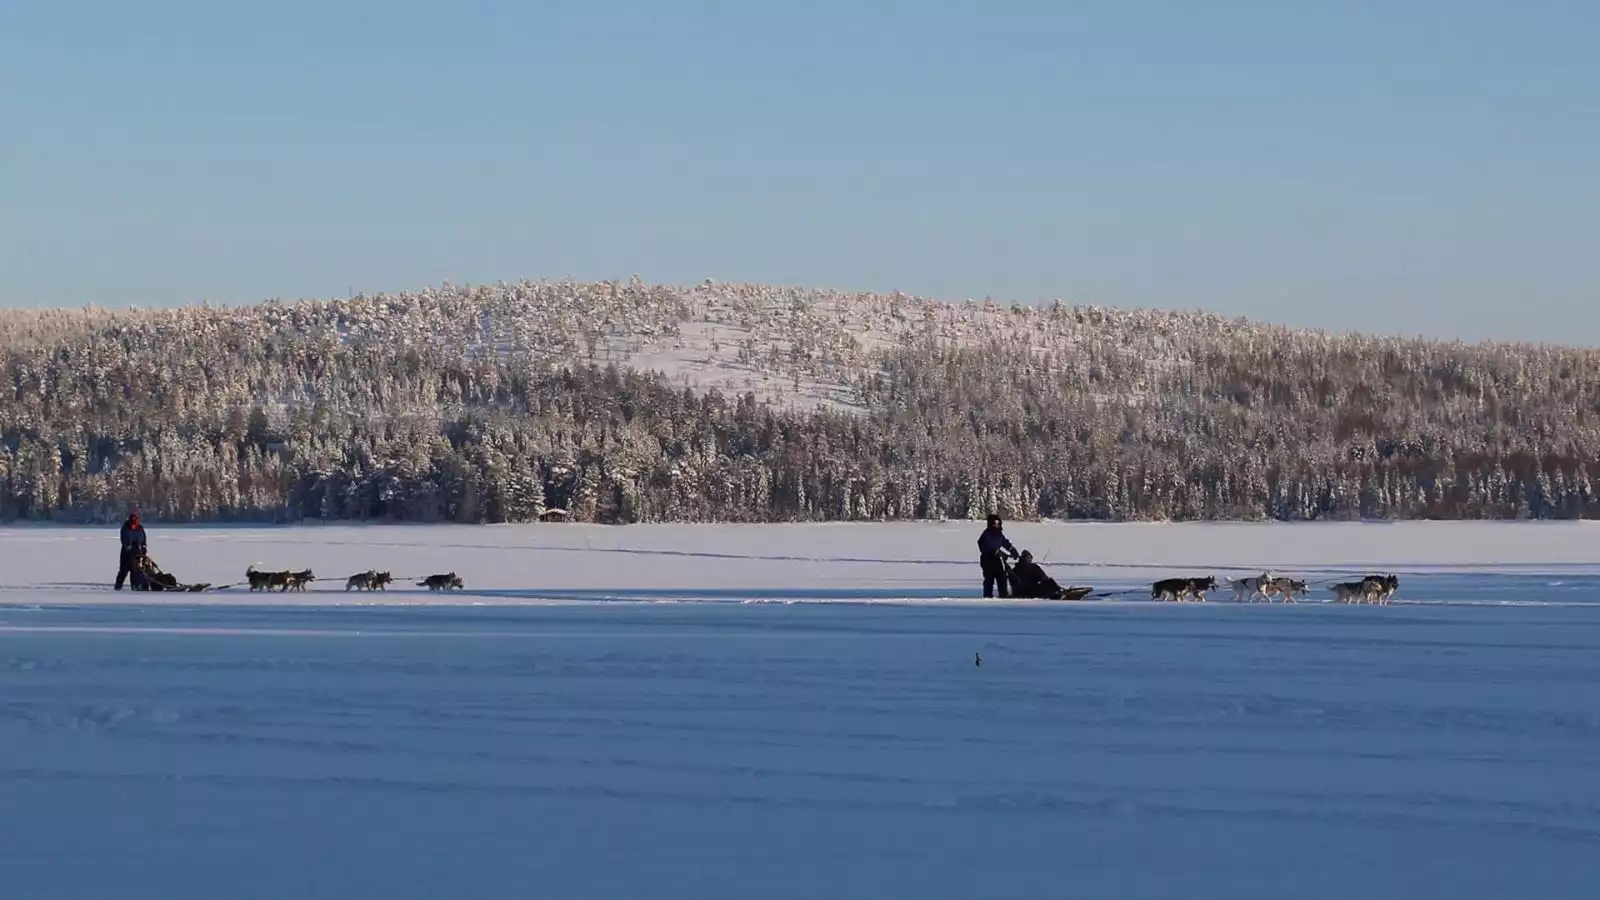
(977, 659)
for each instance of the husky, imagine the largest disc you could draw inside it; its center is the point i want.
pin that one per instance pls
(297, 581)
(266, 581)
(1371, 589)
(1179, 588)
(1349, 591)
(370, 580)
(1289, 587)
(1168, 588)
(1251, 588)
(441, 582)
(1382, 587)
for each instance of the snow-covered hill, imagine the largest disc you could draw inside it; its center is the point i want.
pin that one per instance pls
(796, 347)
(421, 405)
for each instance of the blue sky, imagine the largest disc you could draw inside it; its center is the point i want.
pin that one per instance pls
(1411, 167)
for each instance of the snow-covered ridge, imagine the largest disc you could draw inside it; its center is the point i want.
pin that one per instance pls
(793, 346)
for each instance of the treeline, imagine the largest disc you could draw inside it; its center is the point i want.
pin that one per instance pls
(1290, 433)
(360, 410)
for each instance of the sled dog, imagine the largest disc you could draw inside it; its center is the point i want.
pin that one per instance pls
(1179, 588)
(1289, 588)
(1384, 586)
(441, 582)
(1371, 589)
(370, 580)
(1253, 587)
(266, 581)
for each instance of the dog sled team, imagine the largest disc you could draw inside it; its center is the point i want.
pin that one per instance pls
(1020, 576)
(1375, 589)
(136, 569)
(370, 580)
(1025, 580)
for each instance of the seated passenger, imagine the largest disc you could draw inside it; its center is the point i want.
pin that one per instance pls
(1028, 581)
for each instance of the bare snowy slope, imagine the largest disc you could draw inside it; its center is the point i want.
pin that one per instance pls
(793, 346)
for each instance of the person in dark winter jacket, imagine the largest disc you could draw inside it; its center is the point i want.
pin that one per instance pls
(1029, 582)
(133, 549)
(992, 547)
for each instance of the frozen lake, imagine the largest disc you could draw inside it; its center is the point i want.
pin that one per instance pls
(1438, 562)
(191, 746)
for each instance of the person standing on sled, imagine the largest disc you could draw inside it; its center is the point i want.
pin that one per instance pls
(133, 549)
(992, 547)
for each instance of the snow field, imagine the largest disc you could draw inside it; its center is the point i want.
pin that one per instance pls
(1455, 562)
(717, 751)
(535, 737)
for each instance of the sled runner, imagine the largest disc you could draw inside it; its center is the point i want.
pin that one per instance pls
(1076, 592)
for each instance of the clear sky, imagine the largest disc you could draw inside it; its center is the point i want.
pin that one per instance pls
(1411, 166)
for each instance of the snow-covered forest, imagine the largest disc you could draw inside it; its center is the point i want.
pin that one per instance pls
(626, 402)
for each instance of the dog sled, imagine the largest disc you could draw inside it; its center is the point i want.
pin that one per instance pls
(1070, 592)
(147, 576)
(1041, 586)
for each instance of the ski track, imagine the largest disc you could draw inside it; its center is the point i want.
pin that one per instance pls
(499, 745)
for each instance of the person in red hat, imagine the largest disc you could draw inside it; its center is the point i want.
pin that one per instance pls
(133, 547)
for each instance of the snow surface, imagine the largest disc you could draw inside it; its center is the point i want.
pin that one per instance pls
(558, 742)
(1439, 562)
